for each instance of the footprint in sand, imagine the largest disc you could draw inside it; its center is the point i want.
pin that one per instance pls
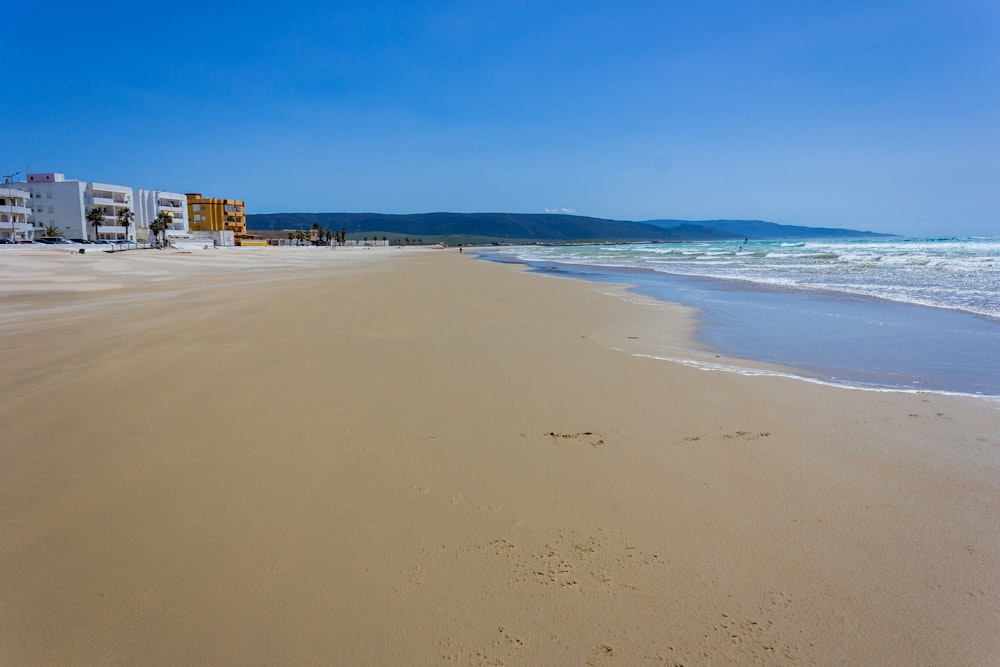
(594, 439)
(745, 435)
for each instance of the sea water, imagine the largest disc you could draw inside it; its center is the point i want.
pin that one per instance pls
(892, 313)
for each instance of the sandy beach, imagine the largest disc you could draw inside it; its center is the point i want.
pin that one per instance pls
(413, 457)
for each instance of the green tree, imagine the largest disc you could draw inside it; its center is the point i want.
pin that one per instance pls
(165, 221)
(155, 227)
(51, 230)
(160, 225)
(125, 218)
(95, 216)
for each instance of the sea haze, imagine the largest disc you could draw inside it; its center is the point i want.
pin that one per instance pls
(892, 314)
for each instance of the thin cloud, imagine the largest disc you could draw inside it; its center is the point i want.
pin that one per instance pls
(568, 211)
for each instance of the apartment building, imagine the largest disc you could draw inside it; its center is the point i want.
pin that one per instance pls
(208, 214)
(63, 204)
(52, 200)
(15, 212)
(150, 203)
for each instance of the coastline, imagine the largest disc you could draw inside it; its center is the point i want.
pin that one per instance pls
(418, 457)
(848, 340)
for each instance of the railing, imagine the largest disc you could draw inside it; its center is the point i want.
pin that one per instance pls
(111, 201)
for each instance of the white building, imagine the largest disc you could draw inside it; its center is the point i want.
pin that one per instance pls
(149, 203)
(57, 202)
(15, 212)
(50, 200)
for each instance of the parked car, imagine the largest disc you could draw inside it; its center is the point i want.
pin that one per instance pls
(81, 240)
(6, 241)
(54, 240)
(27, 242)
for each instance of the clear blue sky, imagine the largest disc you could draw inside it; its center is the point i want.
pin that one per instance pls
(870, 115)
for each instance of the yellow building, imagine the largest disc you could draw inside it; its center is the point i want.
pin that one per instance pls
(208, 214)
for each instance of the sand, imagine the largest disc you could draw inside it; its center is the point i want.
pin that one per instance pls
(312, 456)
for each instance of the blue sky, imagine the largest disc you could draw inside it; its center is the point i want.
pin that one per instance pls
(869, 115)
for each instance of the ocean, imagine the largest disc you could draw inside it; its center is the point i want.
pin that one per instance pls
(888, 313)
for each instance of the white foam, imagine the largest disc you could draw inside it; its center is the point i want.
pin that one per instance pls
(759, 372)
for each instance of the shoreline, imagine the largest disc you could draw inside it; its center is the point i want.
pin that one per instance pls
(882, 330)
(418, 457)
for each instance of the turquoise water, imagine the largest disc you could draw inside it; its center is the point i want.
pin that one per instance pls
(916, 314)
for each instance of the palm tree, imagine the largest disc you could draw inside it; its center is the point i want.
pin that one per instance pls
(165, 220)
(95, 216)
(159, 225)
(125, 218)
(51, 230)
(155, 226)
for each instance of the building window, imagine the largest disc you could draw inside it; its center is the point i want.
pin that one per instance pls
(49, 194)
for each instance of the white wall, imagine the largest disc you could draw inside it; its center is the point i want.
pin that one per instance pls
(59, 204)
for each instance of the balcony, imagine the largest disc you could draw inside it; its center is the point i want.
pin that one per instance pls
(19, 223)
(104, 200)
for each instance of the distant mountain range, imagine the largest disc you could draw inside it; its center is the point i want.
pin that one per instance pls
(540, 227)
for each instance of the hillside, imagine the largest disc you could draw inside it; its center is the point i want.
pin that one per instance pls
(513, 227)
(540, 227)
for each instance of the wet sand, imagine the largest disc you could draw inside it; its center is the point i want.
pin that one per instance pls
(303, 456)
